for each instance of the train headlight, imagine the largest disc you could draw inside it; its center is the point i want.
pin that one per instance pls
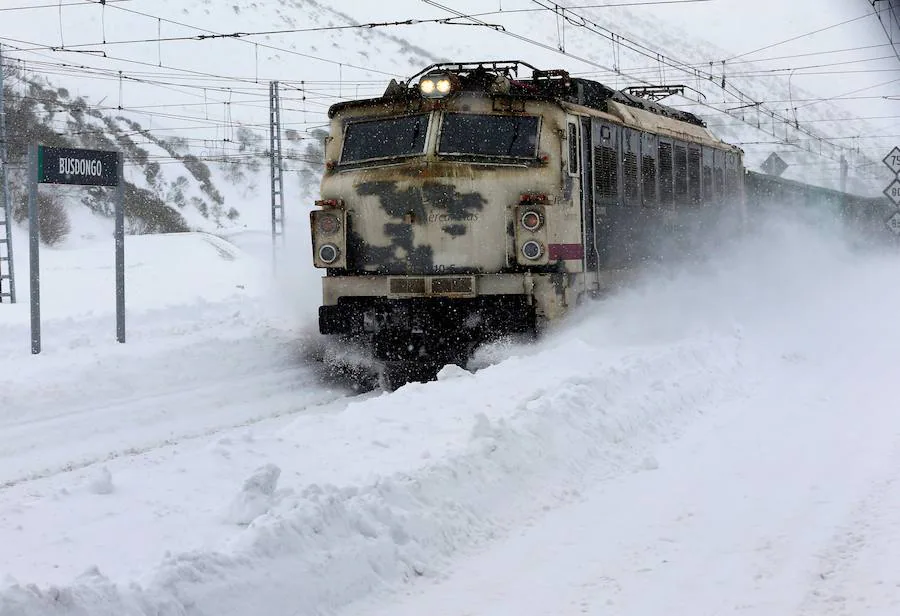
(329, 241)
(436, 85)
(328, 224)
(532, 250)
(426, 86)
(329, 253)
(531, 220)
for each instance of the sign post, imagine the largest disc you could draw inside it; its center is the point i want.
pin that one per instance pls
(120, 250)
(82, 168)
(34, 249)
(892, 192)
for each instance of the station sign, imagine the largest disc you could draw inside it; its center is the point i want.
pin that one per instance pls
(49, 165)
(76, 166)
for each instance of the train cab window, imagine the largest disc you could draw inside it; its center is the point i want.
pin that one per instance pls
(648, 169)
(681, 174)
(572, 141)
(384, 138)
(665, 173)
(494, 136)
(694, 175)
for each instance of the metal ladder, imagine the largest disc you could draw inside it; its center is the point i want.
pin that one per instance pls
(7, 275)
(7, 270)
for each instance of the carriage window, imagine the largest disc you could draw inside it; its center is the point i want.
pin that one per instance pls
(665, 173)
(385, 138)
(707, 174)
(573, 148)
(648, 168)
(630, 184)
(732, 174)
(694, 175)
(681, 174)
(719, 174)
(606, 173)
(489, 135)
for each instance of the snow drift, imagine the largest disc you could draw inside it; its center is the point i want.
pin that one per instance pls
(307, 516)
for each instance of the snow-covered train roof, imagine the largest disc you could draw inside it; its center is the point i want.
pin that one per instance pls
(501, 78)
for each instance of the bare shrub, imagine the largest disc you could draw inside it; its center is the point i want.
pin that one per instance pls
(54, 225)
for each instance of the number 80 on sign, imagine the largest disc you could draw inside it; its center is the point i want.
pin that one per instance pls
(893, 192)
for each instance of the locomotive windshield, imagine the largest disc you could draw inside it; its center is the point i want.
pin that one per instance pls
(385, 138)
(489, 135)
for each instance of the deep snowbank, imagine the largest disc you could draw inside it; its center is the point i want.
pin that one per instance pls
(451, 465)
(776, 501)
(392, 487)
(161, 271)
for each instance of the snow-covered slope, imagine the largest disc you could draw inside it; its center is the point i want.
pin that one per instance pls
(191, 107)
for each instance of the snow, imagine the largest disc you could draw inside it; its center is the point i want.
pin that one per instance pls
(768, 506)
(255, 498)
(718, 434)
(720, 437)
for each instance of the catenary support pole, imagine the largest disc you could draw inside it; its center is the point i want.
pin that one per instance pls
(277, 169)
(844, 169)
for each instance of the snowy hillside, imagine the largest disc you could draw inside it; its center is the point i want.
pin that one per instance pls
(188, 102)
(194, 130)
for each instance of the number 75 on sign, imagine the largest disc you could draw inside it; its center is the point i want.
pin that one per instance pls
(892, 160)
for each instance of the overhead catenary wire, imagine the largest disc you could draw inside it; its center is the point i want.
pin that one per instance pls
(80, 3)
(307, 94)
(667, 60)
(245, 35)
(264, 45)
(844, 119)
(778, 72)
(799, 36)
(581, 21)
(700, 65)
(887, 28)
(244, 80)
(310, 95)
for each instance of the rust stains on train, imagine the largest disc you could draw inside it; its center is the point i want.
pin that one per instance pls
(411, 202)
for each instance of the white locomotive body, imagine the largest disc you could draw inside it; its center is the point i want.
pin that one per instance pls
(472, 204)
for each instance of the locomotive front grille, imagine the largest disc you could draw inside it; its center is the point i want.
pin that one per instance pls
(419, 286)
(406, 286)
(453, 285)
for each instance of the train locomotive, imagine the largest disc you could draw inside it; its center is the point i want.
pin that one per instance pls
(467, 204)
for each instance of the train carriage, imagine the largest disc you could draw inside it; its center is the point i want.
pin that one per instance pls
(469, 203)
